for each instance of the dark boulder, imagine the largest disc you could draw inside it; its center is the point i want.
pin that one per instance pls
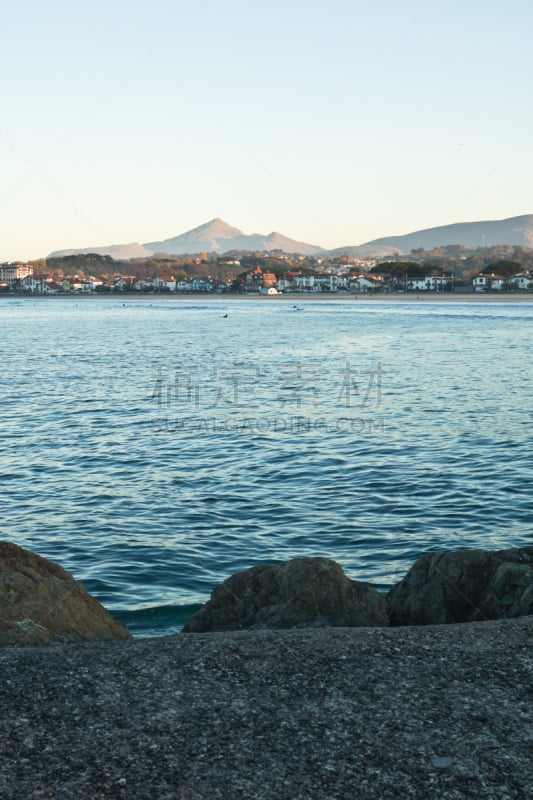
(464, 586)
(304, 592)
(41, 602)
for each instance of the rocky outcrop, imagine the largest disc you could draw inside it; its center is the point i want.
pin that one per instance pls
(41, 602)
(304, 592)
(464, 586)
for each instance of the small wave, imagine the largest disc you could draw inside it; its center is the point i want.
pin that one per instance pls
(152, 621)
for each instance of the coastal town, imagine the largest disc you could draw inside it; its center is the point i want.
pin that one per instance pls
(282, 275)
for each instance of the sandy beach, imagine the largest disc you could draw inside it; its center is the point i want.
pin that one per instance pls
(334, 713)
(287, 299)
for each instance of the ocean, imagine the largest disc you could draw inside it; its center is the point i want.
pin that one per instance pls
(153, 447)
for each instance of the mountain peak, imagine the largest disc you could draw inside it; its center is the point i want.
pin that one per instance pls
(217, 224)
(217, 236)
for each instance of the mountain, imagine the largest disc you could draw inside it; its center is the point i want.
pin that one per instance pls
(364, 251)
(122, 252)
(512, 231)
(215, 236)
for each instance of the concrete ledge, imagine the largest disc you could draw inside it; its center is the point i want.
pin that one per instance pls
(414, 712)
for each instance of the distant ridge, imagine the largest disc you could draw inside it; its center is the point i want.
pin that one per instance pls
(119, 251)
(216, 236)
(364, 251)
(489, 233)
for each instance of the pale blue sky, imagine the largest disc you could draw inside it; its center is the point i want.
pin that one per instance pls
(333, 123)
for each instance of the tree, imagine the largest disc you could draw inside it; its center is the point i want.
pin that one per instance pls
(504, 268)
(401, 269)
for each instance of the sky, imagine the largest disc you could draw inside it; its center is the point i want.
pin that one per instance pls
(331, 122)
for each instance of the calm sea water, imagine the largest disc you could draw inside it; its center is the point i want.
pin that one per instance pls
(155, 447)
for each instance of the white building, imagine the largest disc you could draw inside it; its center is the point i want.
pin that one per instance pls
(327, 282)
(165, 283)
(430, 283)
(33, 284)
(124, 282)
(488, 283)
(365, 283)
(89, 285)
(286, 282)
(318, 282)
(15, 272)
(141, 285)
(305, 283)
(199, 285)
(521, 281)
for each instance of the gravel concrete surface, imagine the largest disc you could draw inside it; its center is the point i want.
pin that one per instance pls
(418, 712)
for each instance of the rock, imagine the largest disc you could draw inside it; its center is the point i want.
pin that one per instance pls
(304, 592)
(41, 602)
(464, 586)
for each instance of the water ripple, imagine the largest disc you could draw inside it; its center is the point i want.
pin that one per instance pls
(275, 444)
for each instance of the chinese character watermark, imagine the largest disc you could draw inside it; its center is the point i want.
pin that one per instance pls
(266, 389)
(360, 391)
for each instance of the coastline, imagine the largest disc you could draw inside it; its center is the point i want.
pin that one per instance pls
(433, 711)
(300, 297)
